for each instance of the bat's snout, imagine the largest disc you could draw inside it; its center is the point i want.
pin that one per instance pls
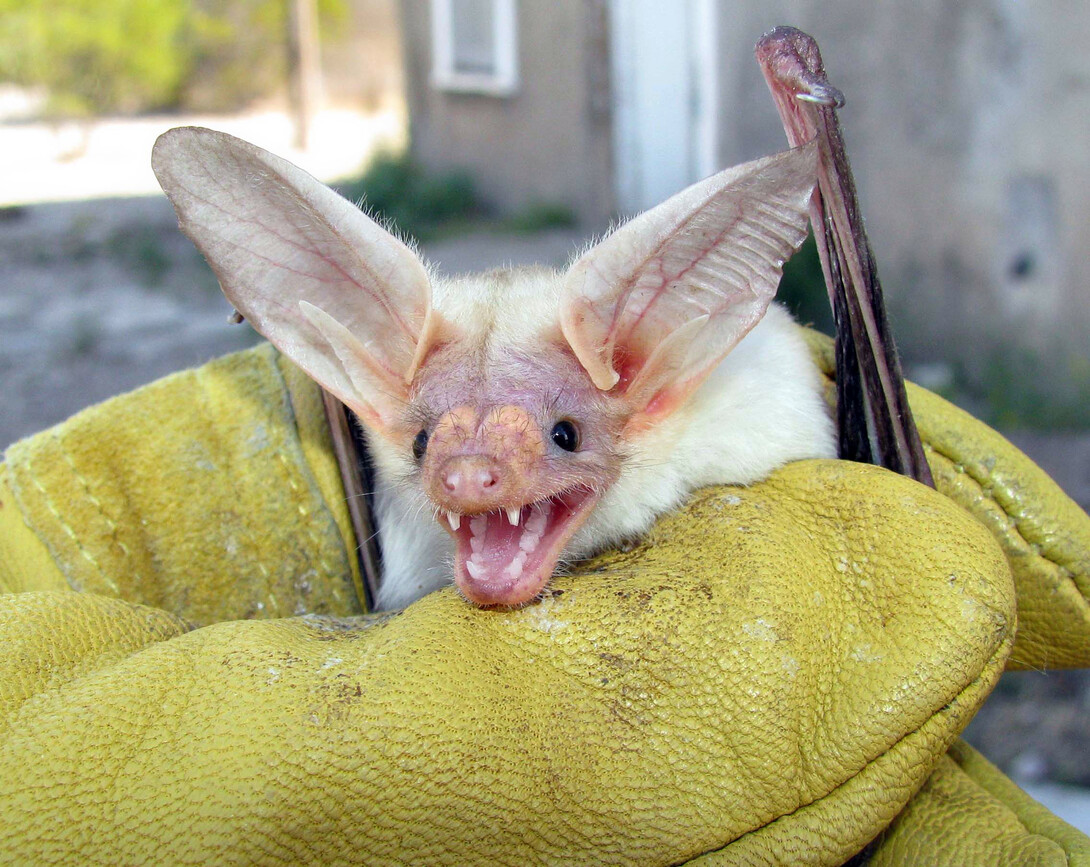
(483, 461)
(474, 482)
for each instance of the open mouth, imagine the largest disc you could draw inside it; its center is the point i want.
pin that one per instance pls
(506, 557)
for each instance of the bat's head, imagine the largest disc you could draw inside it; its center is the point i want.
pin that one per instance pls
(510, 399)
(512, 442)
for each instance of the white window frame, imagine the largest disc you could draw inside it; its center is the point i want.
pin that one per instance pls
(504, 81)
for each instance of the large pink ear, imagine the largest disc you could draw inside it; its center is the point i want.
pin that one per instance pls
(344, 299)
(658, 304)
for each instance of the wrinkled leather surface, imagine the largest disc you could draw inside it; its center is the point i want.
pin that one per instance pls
(25, 561)
(1044, 533)
(212, 493)
(768, 678)
(969, 815)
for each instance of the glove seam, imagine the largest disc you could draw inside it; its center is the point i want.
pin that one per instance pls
(331, 573)
(285, 470)
(47, 500)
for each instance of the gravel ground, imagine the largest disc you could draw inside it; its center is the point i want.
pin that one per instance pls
(100, 296)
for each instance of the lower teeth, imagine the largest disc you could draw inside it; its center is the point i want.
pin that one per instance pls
(514, 568)
(533, 531)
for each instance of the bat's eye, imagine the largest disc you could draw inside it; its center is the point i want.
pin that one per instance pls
(420, 445)
(566, 435)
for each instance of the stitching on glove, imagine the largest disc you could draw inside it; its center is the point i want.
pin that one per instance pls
(48, 500)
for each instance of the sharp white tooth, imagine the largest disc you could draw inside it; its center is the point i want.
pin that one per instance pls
(513, 515)
(454, 519)
(476, 570)
(514, 568)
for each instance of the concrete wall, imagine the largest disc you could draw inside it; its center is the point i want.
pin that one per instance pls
(549, 141)
(968, 124)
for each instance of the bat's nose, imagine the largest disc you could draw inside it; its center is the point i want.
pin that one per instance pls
(469, 478)
(474, 483)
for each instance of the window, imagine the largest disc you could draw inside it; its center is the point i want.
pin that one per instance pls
(474, 46)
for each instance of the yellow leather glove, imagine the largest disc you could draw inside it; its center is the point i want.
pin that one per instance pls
(1043, 532)
(968, 813)
(767, 679)
(212, 493)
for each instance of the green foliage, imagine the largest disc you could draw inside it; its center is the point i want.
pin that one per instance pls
(802, 289)
(538, 216)
(395, 189)
(106, 56)
(139, 248)
(1021, 387)
(242, 52)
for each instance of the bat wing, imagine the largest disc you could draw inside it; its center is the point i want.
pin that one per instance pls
(656, 305)
(339, 295)
(874, 419)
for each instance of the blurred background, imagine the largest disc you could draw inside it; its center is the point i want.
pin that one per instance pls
(497, 131)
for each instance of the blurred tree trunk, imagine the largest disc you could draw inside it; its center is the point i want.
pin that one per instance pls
(304, 66)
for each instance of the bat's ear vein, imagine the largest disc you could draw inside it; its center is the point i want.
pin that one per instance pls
(657, 292)
(334, 291)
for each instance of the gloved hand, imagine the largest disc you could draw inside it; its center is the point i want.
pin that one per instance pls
(768, 678)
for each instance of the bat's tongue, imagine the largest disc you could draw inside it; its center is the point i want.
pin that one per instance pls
(498, 562)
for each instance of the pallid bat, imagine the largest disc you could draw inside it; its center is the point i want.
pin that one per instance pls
(521, 417)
